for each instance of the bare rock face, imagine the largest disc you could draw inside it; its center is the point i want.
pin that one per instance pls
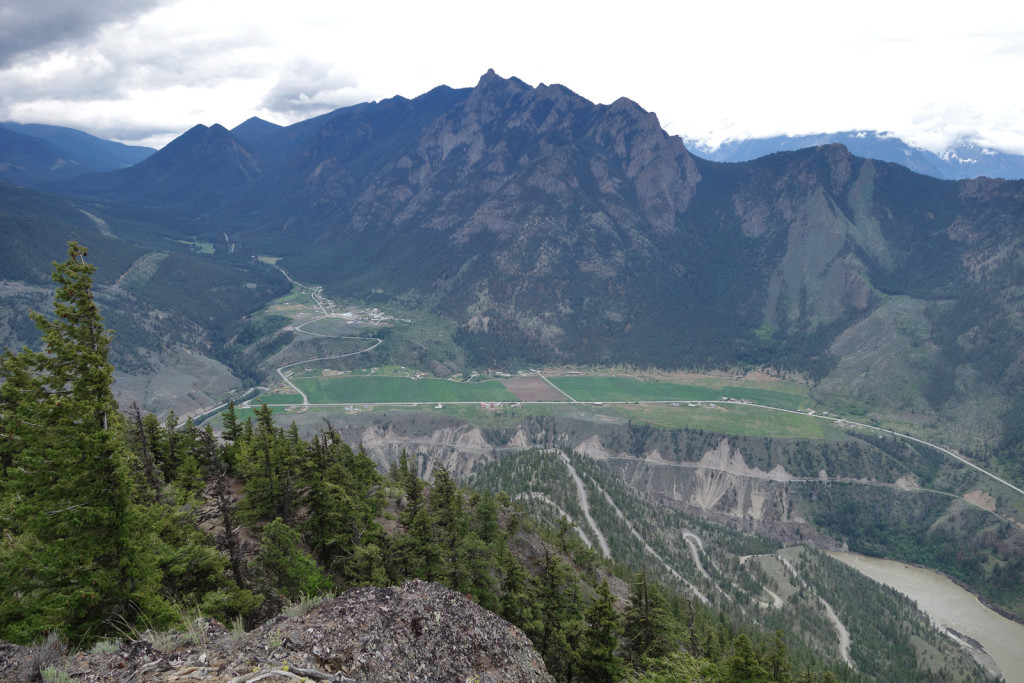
(15, 662)
(417, 632)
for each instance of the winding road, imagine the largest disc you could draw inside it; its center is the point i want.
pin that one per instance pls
(581, 491)
(323, 303)
(841, 631)
(537, 495)
(646, 546)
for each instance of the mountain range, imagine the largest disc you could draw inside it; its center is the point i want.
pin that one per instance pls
(964, 160)
(552, 229)
(34, 154)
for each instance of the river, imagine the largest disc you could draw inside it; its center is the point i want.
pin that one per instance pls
(951, 607)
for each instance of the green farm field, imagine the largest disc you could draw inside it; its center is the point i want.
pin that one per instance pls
(587, 388)
(279, 399)
(358, 389)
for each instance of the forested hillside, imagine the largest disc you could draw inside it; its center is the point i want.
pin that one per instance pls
(110, 520)
(750, 578)
(38, 154)
(176, 310)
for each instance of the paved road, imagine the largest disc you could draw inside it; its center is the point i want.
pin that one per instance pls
(323, 303)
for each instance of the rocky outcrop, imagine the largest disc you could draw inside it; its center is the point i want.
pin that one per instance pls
(417, 632)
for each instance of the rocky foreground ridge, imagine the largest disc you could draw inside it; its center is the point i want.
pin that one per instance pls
(417, 632)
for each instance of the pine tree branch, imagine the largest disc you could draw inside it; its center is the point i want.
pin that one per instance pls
(70, 507)
(293, 673)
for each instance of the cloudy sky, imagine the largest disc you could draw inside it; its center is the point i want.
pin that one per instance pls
(144, 71)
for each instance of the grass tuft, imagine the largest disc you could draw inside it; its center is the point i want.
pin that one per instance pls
(47, 654)
(305, 604)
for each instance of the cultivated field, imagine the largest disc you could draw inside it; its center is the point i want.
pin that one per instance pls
(731, 418)
(378, 388)
(280, 399)
(596, 388)
(533, 388)
(368, 389)
(656, 401)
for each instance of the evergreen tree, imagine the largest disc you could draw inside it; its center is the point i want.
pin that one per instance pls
(480, 570)
(73, 557)
(225, 506)
(366, 567)
(451, 527)
(364, 484)
(193, 569)
(417, 553)
(517, 603)
(138, 439)
(232, 430)
(343, 499)
(190, 480)
(172, 455)
(677, 666)
(485, 517)
(422, 552)
(744, 666)
(777, 660)
(561, 620)
(154, 436)
(328, 526)
(412, 487)
(648, 626)
(601, 639)
(269, 460)
(285, 568)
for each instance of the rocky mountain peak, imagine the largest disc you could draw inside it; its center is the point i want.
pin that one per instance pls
(840, 165)
(213, 140)
(493, 96)
(491, 80)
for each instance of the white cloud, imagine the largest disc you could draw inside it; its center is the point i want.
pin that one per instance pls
(710, 71)
(307, 87)
(38, 26)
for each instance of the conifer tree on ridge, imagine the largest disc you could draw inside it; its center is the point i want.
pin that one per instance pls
(73, 557)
